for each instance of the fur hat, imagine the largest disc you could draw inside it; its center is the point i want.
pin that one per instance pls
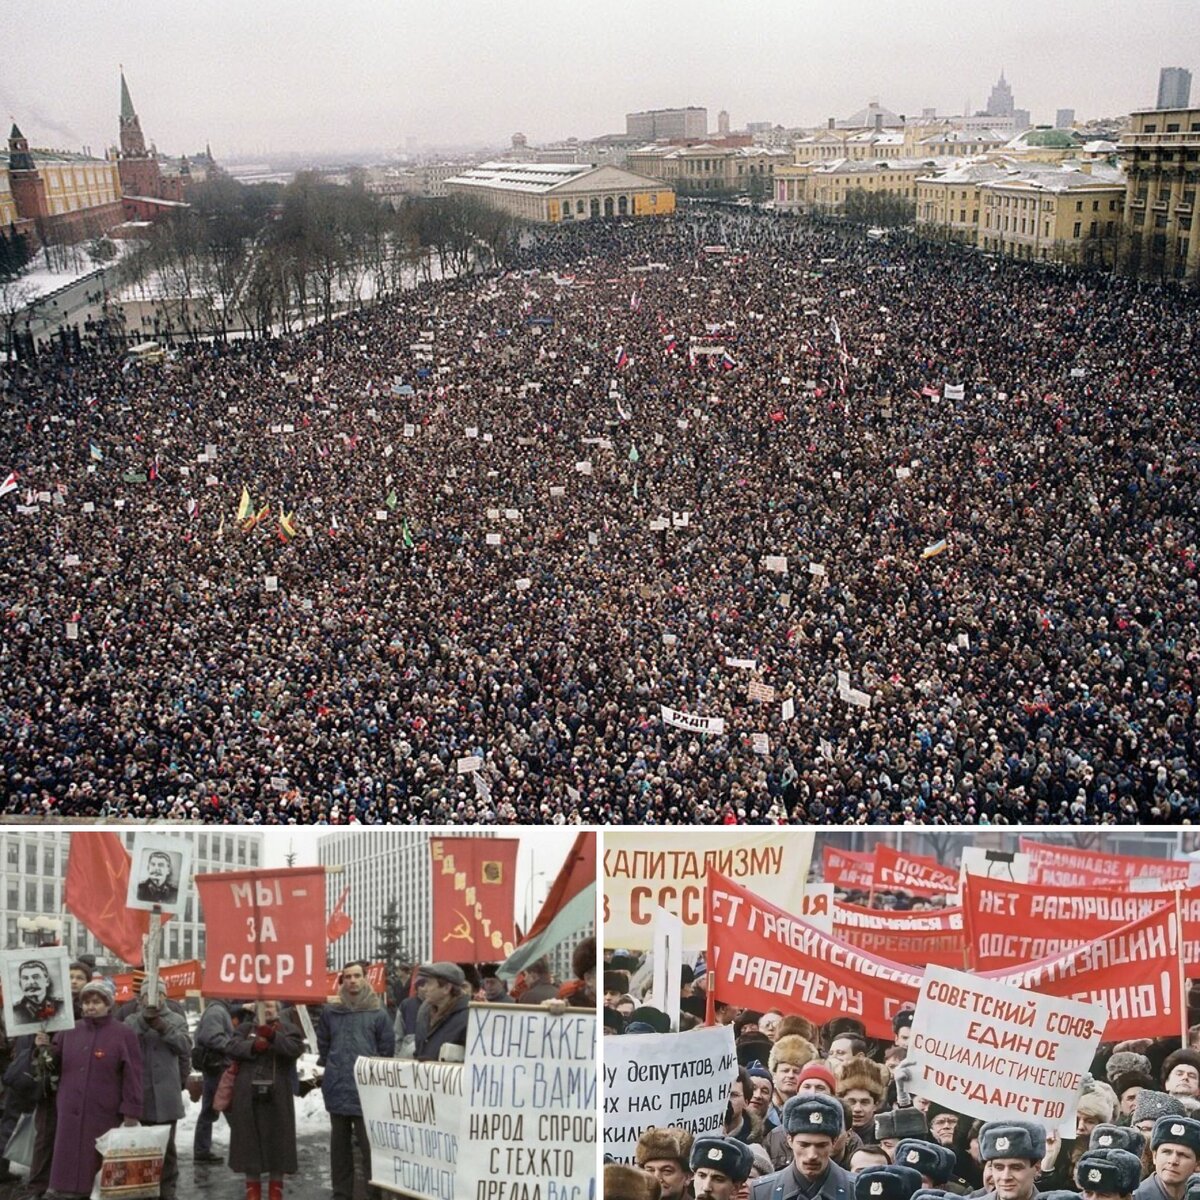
(616, 981)
(669, 1142)
(928, 1158)
(1176, 1131)
(930, 1194)
(901, 1123)
(747, 1016)
(1117, 1137)
(792, 1049)
(613, 1020)
(628, 1183)
(1124, 1061)
(887, 1183)
(1133, 1079)
(762, 1160)
(844, 1027)
(813, 1113)
(1098, 1106)
(1152, 1105)
(799, 1026)
(583, 958)
(1189, 1058)
(861, 1074)
(752, 1047)
(724, 1154)
(818, 1070)
(1012, 1139)
(654, 1017)
(1115, 1172)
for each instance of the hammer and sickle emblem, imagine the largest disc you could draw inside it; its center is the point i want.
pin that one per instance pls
(461, 930)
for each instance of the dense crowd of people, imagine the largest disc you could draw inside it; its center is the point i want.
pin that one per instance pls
(529, 509)
(131, 1064)
(825, 1112)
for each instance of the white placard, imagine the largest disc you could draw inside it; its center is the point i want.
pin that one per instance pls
(593, 538)
(493, 539)
(471, 762)
(493, 514)
(523, 585)
(776, 562)
(37, 990)
(788, 710)
(381, 514)
(816, 569)
(658, 524)
(584, 467)
(761, 743)
(666, 958)
(160, 872)
(472, 432)
(88, 506)
(669, 639)
(71, 560)
(977, 1051)
(692, 722)
(954, 391)
(856, 698)
(410, 431)
(413, 1112)
(271, 583)
(666, 1079)
(528, 1116)
(747, 663)
(680, 520)
(72, 631)
(512, 514)
(762, 692)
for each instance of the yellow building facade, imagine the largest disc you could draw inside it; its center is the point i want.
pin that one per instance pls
(708, 168)
(823, 187)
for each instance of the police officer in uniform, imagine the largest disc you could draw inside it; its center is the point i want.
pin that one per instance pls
(720, 1165)
(1175, 1146)
(812, 1122)
(1107, 1174)
(1015, 1149)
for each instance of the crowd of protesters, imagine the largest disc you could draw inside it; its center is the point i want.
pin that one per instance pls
(824, 1112)
(132, 1064)
(530, 509)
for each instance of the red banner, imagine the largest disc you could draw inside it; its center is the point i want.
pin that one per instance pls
(914, 873)
(474, 883)
(177, 981)
(1133, 971)
(265, 934)
(1066, 867)
(1011, 924)
(376, 977)
(764, 958)
(848, 869)
(911, 938)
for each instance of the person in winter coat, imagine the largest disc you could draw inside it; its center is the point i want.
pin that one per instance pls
(262, 1117)
(100, 1087)
(442, 1018)
(166, 1057)
(214, 1035)
(356, 1024)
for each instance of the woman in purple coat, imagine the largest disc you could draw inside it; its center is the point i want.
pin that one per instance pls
(100, 1087)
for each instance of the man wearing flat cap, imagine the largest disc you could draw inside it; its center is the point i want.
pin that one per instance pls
(720, 1165)
(813, 1123)
(1015, 1150)
(1175, 1151)
(442, 1017)
(1107, 1174)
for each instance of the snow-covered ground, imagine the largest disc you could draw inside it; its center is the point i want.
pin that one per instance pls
(42, 280)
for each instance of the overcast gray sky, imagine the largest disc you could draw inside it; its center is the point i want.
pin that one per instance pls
(269, 75)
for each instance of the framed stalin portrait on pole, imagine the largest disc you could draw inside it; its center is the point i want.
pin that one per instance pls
(37, 990)
(160, 873)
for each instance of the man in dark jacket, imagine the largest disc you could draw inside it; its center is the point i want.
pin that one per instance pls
(1175, 1147)
(214, 1036)
(1015, 1149)
(355, 1024)
(813, 1123)
(442, 1018)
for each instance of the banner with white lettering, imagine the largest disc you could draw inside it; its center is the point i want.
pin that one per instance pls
(914, 873)
(655, 1080)
(997, 1052)
(528, 1118)
(916, 937)
(412, 1112)
(692, 722)
(644, 870)
(849, 870)
(1065, 866)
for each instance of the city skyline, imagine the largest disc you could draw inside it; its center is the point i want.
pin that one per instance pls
(281, 78)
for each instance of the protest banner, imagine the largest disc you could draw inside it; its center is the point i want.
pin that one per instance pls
(817, 906)
(265, 934)
(849, 870)
(177, 981)
(912, 938)
(1132, 971)
(666, 959)
(1010, 924)
(527, 1127)
(679, 1079)
(376, 980)
(473, 886)
(692, 722)
(644, 870)
(912, 873)
(412, 1112)
(1065, 866)
(763, 958)
(997, 1052)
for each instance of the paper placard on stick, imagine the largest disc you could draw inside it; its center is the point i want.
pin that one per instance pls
(472, 432)
(817, 569)
(788, 710)
(88, 506)
(512, 514)
(856, 698)
(493, 514)
(764, 693)
(527, 1119)
(776, 562)
(493, 539)
(680, 520)
(72, 631)
(904, 472)
(556, 491)
(843, 680)
(658, 524)
(761, 743)
(410, 430)
(381, 514)
(593, 538)
(584, 467)
(954, 391)
(413, 1113)
(704, 1058)
(747, 663)
(469, 763)
(71, 560)
(986, 1049)
(669, 639)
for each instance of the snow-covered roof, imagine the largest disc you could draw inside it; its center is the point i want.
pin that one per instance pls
(530, 178)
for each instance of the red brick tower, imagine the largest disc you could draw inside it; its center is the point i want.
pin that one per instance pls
(28, 187)
(138, 168)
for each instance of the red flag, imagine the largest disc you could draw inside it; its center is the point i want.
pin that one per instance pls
(474, 886)
(339, 922)
(914, 938)
(97, 884)
(849, 870)
(896, 872)
(568, 908)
